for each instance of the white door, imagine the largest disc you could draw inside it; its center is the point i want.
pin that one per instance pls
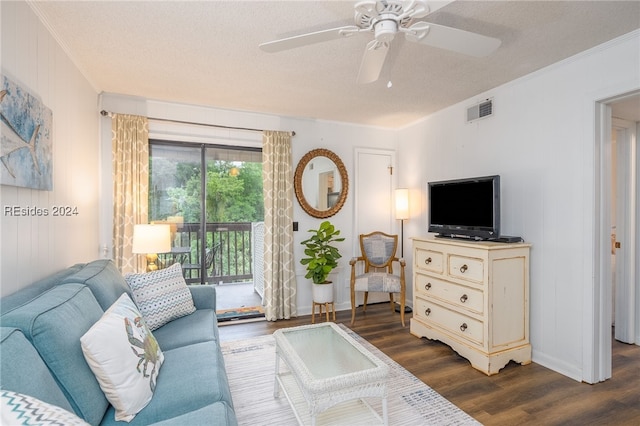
(375, 178)
(625, 282)
(374, 191)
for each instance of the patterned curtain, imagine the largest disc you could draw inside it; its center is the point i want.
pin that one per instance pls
(130, 148)
(279, 270)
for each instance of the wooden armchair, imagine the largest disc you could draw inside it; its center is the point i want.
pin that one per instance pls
(378, 254)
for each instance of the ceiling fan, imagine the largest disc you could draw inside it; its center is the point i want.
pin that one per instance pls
(385, 19)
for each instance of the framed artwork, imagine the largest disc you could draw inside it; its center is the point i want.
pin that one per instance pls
(25, 137)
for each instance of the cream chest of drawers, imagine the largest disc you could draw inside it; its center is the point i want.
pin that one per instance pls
(473, 296)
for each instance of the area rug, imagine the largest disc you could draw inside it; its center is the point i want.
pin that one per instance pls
(239, 313)
(250, 368)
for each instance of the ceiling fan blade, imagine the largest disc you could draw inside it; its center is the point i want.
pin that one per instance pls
(453, 39)
(367, 7)
(432, 6)
(309, 38)
(372, 61)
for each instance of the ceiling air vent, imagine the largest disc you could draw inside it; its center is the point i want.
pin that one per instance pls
(481, 110)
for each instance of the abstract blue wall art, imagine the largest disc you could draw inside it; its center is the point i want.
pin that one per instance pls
(26, 138)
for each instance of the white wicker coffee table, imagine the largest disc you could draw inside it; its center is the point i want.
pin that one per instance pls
(327, 374)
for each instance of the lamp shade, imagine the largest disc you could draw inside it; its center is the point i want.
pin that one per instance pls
(151, 239)
(402, 203)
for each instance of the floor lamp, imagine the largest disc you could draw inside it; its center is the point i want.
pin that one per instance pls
(402, 213)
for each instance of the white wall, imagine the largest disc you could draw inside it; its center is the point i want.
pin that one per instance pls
(32, 247)
(310, 134)
(541, 141)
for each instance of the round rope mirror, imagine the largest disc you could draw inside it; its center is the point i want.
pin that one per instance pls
(321, 183)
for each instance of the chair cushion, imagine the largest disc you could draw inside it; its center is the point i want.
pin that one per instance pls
(20, 409)
(378, 281)
(378, 248)
(124, 356)
(162, 295)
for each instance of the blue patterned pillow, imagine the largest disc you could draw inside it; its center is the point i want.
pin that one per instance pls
(161, 296)
(19, 409)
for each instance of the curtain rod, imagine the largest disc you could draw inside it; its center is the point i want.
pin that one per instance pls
(110, 114)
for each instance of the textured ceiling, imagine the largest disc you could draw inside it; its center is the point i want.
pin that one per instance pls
(206, 53)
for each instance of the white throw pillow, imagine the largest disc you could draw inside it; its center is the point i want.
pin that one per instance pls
(162, 295)
(20, 409)
(124, 356)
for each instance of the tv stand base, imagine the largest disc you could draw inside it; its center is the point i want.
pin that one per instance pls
(500, 239)
(461, 237)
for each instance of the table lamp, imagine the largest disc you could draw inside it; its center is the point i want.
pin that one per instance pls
(151, 240)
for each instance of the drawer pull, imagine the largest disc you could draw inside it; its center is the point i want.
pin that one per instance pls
(427, 312)
(464, 298)
(463, 327)
(427, 261)
(427, 286)
(463, 269)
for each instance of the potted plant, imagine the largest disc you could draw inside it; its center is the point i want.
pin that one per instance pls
(321, 258)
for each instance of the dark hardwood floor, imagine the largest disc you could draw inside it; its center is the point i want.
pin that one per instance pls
(518, 395)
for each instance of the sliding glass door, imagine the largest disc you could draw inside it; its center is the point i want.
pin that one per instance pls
(175, 197)
(211, 196)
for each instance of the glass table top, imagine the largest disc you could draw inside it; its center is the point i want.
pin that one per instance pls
(326, 352)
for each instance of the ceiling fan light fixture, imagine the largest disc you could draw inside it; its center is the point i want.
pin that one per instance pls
(369, 12)
(385, 30)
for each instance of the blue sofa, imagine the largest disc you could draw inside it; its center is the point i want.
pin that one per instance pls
(41, 356)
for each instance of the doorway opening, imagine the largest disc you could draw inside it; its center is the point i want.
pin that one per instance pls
(617, 293)
(211, 196)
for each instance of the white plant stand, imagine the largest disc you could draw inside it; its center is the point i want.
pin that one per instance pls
(322, 297)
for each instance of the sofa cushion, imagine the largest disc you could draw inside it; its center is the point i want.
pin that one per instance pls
(124, 356)
(216, 414)
(104, 280)
(21, 297)
(162, 295)
(192, 377)
(22, 370)
(54, 322)
(200, 326)
(20, 409)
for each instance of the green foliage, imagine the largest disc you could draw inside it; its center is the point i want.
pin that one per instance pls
(322, 255)
(228, 198)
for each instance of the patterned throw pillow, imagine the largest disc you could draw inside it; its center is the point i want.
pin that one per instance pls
(19, 409)
(162, 295)
(124, 356)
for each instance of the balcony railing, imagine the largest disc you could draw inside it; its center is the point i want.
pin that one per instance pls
(224, 255)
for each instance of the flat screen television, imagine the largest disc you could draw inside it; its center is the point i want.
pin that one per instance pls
(465, 208)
